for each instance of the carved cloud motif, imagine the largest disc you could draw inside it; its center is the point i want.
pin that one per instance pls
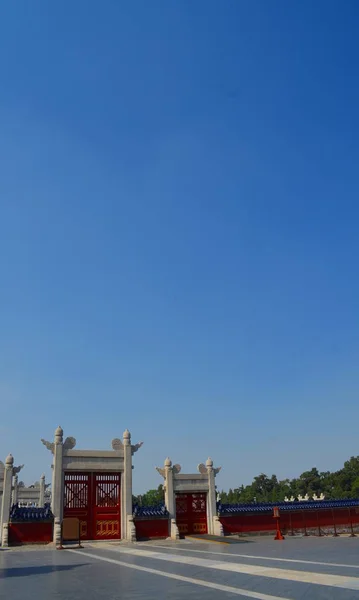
(162, 472)
(176, 469)
(202, 469)
(49, 445)
(69, 443)
(136, 447)
(17, 470)
(117, 444)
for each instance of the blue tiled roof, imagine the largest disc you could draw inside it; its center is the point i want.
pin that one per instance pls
(230, 509)
(31, 514)
(150, 511)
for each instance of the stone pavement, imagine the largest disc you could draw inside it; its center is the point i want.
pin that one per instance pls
(310, 568)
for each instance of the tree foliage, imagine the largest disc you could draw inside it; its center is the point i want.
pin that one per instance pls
(150, 498)
(340, 484)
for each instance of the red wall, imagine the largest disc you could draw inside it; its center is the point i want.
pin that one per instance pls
(306, 519)
(152, 528)
(30, 533)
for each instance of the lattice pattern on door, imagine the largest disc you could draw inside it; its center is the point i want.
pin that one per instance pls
(191, 513)
(107, 491)
(199, 503)
(95, 499)
(76, 491)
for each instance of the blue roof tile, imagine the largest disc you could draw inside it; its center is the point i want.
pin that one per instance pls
(265, 507)
(150, 511)
(31, 513)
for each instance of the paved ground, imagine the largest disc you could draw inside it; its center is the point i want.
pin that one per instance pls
(299, 568)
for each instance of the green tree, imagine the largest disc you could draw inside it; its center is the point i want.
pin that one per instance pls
(152, 497)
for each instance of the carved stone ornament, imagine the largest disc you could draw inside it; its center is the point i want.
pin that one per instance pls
(69, 443)
(49, 445)
(17, 470)
(176, 469)
(117, 445)
(161, 471)
(203, 469)
(136, 447)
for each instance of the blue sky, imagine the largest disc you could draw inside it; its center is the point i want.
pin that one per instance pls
(179, 232)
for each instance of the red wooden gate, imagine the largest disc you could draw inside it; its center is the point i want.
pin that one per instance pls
(191, 513)
(77, 500)
(94, 498)
(107, 514)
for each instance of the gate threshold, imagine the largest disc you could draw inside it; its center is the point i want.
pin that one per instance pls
(215, 539)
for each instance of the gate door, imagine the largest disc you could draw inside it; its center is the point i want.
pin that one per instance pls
(77, 501)
(191, 513)
(94, 498)
(107, 509)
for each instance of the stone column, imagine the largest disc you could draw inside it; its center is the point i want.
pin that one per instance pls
(15, 489)
(211, 500)
(129, 532)
(58, 485)
(169, 493)
(6, 500)
(52, 488)
(42, 491)
(214, 525)
(170, 499)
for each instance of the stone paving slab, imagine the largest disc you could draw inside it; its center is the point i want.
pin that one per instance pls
(265, 570)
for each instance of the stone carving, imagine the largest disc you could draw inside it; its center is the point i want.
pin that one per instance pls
(17, 470)
(49, 445)
(136, 447)
(203, 469)
(69, 443)
(176, 469)
(321, 497)
(162, 472)
(117, 444)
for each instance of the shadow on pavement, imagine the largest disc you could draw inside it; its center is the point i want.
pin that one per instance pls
(41, 570)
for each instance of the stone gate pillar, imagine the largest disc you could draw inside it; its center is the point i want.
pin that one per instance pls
(170, 502)
(169, 492)
(15, 489)
(58, 485)
(6, 500)
(129, 532)
(9, 472)
(42, 491)
(214, 525)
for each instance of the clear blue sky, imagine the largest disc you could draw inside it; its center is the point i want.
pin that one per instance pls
(179, 232)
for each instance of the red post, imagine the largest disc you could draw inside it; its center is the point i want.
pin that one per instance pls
(335, 534)
(351, 524)
(319, 531)
(278, 535)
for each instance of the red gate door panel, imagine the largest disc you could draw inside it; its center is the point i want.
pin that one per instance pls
(191, 513)
(94, 498)
(77, 500)
(107, 506)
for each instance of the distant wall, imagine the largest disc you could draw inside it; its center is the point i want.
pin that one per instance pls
(151, 528)
(291, 521)
(30, 533)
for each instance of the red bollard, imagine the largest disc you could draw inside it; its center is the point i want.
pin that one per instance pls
(278, 535)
